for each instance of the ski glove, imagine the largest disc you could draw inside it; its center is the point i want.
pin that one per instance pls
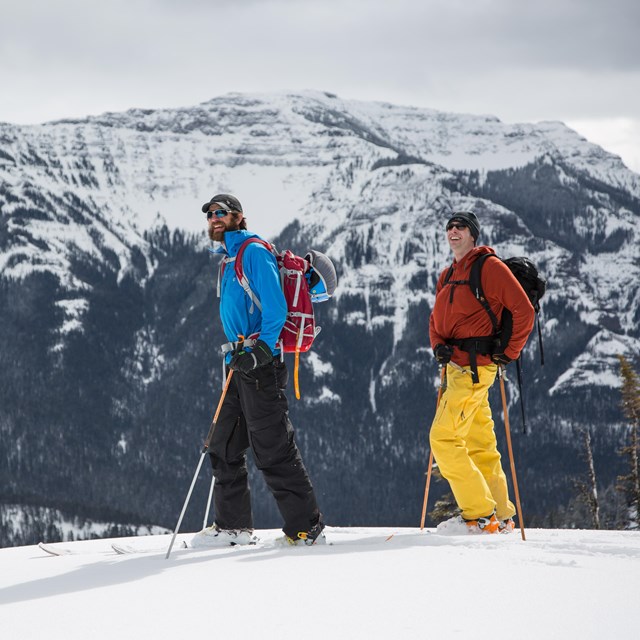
(244, 360)
(500, 358)
(443, 353)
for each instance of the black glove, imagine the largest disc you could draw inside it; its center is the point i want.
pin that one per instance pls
(500, 358)
(244, 361)
(443, 353)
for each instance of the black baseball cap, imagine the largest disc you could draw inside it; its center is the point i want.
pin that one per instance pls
(226, 202)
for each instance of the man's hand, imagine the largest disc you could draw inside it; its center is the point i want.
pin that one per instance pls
(245, 361)
(500, 358)
(443, 353)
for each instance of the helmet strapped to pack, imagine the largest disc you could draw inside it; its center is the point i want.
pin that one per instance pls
(322, 277)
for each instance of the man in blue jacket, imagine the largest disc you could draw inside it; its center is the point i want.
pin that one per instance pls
(255, 410)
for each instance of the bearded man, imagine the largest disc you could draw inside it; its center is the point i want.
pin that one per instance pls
(255, 410)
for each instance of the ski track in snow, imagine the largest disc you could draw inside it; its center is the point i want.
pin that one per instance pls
(367, 583)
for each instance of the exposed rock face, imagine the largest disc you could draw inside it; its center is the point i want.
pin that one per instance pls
(109, 328)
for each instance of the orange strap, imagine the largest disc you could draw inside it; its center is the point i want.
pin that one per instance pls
(296, 367)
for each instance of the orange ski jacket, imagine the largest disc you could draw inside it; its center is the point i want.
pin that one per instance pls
(458, 315)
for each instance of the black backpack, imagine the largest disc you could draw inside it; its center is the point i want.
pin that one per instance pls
(533, 284)
(529, 279)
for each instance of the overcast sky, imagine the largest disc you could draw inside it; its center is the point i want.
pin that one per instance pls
(577, 61)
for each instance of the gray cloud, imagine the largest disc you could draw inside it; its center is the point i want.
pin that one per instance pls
(562, 59)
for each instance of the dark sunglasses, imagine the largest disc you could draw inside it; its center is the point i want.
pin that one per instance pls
(218, 213)
(456, 225)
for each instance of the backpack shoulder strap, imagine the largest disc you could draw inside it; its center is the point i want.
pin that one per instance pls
(448, 276)
(452, 283)
(221, 268)
(475, 282)
(242, 279)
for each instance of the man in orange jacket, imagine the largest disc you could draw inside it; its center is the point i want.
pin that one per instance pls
(462, 435)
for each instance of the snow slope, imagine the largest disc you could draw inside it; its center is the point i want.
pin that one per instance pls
(365, 584)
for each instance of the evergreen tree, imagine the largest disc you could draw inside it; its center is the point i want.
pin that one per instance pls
(629, 484)
(588, 491)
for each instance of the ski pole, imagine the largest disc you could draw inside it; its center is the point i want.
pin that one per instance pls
(426, 489)
(206, 513)
(205, 448)
(508, 431)
(213, 478)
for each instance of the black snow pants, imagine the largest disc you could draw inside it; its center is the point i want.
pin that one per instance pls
(255, 414)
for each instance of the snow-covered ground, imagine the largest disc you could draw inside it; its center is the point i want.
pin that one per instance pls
(367, 583)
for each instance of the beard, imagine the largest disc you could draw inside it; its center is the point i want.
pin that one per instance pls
(229, 225)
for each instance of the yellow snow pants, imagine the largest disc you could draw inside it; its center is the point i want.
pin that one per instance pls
(464, 445)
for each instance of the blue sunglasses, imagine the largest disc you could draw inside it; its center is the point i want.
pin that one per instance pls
(218, 213)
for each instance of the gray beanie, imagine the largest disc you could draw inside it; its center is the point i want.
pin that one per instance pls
(469, 219)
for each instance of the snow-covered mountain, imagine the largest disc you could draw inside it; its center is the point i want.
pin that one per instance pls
(344, 169)
(116, 301)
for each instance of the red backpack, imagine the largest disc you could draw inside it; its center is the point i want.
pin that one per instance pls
(299, 330)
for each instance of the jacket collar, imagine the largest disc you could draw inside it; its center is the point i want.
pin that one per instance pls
(473, 255)
(232, 242)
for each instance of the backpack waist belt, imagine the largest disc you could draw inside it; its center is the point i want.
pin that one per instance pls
(247, 342)
(484, 345)
(230, 346)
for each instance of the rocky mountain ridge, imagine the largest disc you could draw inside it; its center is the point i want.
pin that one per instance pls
(108, 306)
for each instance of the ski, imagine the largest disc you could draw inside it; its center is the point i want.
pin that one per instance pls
(55, 550)
(62, 550)
(123, 549)
(120, 549)
(127, 549)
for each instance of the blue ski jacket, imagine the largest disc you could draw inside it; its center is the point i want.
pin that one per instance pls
(238, 313)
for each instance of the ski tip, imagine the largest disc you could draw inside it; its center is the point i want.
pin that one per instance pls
(123, 549)
(53, 551)
(118, 549)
